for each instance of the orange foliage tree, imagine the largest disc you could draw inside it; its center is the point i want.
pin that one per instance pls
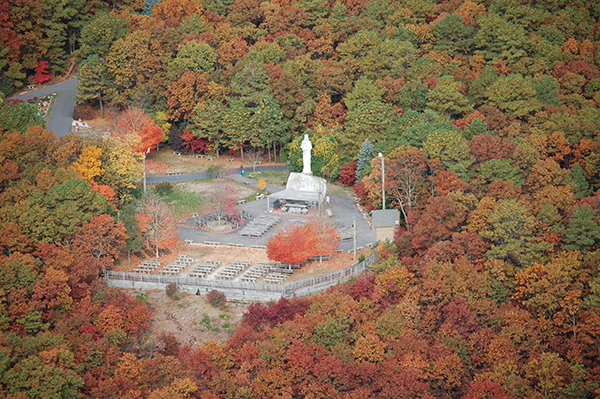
(102, 238)
(156, 222)
(134, 121)
(296, 243)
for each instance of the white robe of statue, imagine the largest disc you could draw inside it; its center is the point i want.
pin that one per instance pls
(306, 148)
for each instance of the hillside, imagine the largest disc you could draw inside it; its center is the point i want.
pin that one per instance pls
(486, 115)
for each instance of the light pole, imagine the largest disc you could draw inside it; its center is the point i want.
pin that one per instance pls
(382, 182)
(144, 158)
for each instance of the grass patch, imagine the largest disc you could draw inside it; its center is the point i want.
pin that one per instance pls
(274, 178)
(339, 189)
(182, 203)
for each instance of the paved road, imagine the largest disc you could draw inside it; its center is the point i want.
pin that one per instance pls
(194, 176)
(61, 118)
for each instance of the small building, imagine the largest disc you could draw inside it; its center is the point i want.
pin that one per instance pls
(385, 223)
(301, 189)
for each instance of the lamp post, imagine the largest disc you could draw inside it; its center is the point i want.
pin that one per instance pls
(382, 182)
(144, 159)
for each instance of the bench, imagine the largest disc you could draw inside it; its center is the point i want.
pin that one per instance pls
(31, 87)
(229, 159)
(242, 201)
(209, 158)
(212, 243)
(258, 246)
(199, 155)
(176, 153)
(234, 244)
(195, 215)
(258, 162)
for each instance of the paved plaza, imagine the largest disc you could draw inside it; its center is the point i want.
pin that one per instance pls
(342, 208)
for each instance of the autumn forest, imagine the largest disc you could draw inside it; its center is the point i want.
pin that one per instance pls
(486, 113)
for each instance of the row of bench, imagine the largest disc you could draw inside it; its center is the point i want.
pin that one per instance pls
(259, 226)
(232, 270)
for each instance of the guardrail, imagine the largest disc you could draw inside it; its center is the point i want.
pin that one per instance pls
(242, 289)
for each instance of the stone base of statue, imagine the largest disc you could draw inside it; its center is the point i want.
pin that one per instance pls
(306, 182)
(302, 188)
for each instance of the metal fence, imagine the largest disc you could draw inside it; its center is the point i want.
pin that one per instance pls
(240, 289)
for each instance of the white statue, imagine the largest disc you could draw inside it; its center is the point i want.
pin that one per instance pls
(306, 148)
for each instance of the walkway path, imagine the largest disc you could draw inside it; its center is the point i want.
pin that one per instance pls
(61, 117)
(233, 173)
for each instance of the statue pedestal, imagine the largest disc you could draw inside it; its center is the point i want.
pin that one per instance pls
(307, 182)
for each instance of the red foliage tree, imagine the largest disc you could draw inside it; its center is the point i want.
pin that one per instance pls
(193, 143)
(348, 173)
(41, 73)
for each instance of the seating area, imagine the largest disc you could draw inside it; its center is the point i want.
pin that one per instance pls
(178, 265)
(276, 277)
(204, 268)
(295, 208)
(257, 271)
(259, 226)
(147, 266)
(174, 172)
(235, 220)
(230, 271)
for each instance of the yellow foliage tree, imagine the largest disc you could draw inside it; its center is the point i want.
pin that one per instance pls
(89, 164)
(261, 184)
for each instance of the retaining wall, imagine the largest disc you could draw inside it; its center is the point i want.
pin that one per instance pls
(238, 289)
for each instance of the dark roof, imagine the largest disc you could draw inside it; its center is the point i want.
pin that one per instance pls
(385, 218)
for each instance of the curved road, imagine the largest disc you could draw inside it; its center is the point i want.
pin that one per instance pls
(61, 118)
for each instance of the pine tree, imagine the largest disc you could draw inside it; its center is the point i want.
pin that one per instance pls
(364, 157)
(579, 184)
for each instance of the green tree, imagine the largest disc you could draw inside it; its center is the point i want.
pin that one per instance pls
(237, 127)
(478, 92)
(69, 205)
(133, 60)
(547, 90)
(251, 84)
(196, 56)
(446, 99)
(364, 92)
(450, 148)
(206, 122)
(98, 36)
(452, 36)
(514, 95)
(370, 121)
(93, 81)
(501, 169)
(583, 230)
(511, 233)
(497, 39)
(364, 158)
(46, 376)
(134, 241)
(578, 182)
(268, 123)
(413, 96)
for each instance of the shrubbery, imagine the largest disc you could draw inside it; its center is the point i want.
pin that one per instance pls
(216, 298)
(173, 291)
